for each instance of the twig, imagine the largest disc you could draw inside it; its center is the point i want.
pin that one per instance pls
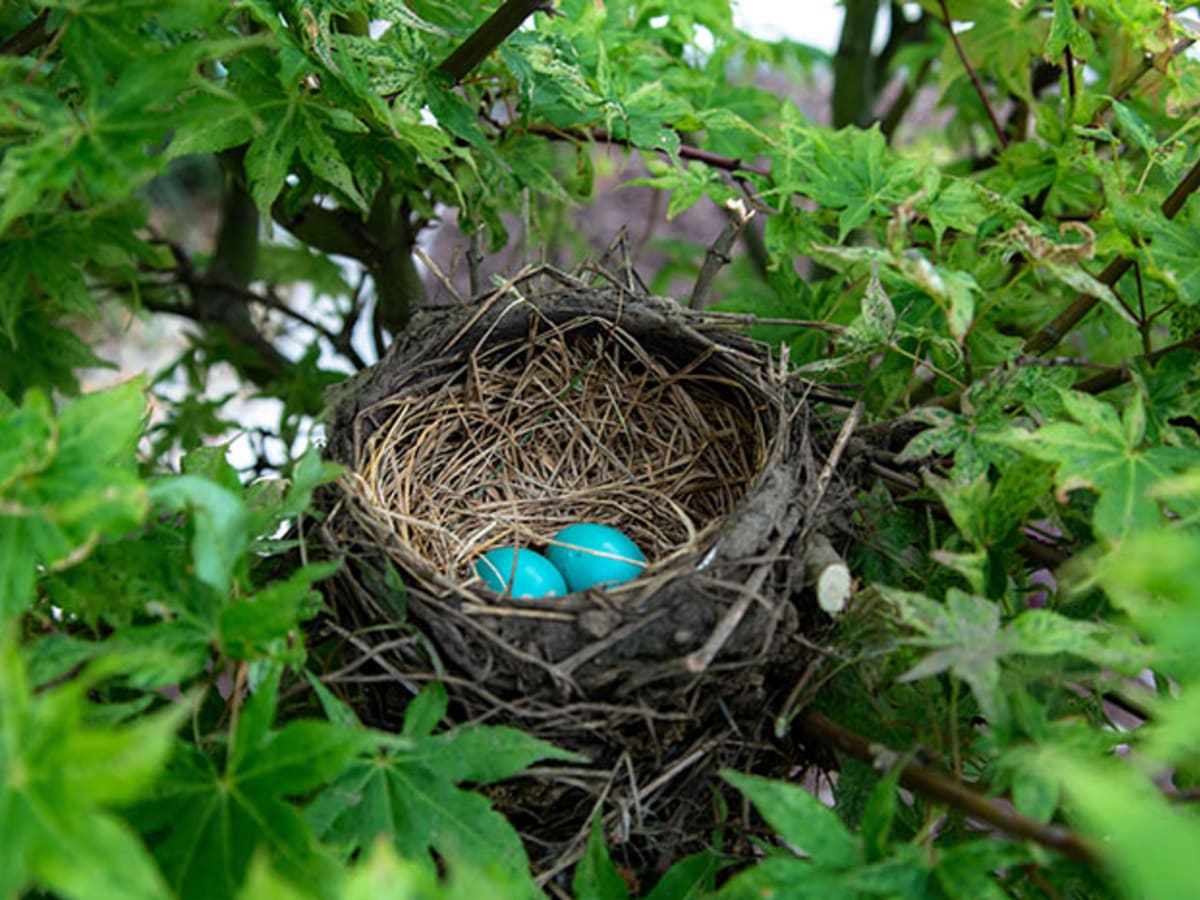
(749, 319)
(55, 39)
(433, 267)
(974, 76)
(474, 260)
(717, 256)
(717, 161)
(491, 34)
(1056, 330)
(943, 789)
(1147, 64)
(1106, 381)
(701, 659)
(184, 275)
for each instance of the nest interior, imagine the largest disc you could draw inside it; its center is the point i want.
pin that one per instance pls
(560, 399)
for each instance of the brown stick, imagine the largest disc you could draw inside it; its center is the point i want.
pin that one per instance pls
(974, 76)
(1106, 381)
(718, 256)
(944, 789)
(28, 38)
(1056, 330)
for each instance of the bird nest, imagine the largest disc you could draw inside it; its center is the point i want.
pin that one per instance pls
(567, 398)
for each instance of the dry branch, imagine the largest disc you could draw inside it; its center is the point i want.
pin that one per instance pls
(717, 256)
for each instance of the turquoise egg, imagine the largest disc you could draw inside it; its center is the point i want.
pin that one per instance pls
(591, 555)
(522, 573)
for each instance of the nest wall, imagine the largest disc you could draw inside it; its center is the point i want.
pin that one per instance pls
(559, 399)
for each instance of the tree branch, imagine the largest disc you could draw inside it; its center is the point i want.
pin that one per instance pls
(718, 253)
(727, 163)
(328, 230)
(1056, 330)
(1106, 381)
(944, 789)
(491, 34)
(974, 76)
(855, 69)
(28, 38)
(398, 285)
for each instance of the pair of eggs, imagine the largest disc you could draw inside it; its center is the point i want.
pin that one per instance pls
(578, 557)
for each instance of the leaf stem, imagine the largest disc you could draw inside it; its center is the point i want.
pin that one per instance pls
(943, 789)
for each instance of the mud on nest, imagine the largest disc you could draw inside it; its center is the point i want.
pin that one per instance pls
(566, 398)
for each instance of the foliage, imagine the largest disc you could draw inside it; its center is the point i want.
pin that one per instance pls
(1010, 290)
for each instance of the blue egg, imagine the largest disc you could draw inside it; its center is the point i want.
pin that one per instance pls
(591, 555)
(522, 573)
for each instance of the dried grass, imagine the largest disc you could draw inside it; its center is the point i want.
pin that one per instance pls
(575, 423)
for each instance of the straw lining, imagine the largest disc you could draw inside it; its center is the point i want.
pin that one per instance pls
(578, 422)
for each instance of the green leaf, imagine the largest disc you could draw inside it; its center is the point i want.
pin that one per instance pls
(1148, 844)
(1065, 31)
(1167, 250)
(249, 625)
(220, 529)
(58, 772)
(880, 813)
(788, 879)
(851, 170)
(972, 869)
(206, 821)
(800, 819)
(596, 877)
(425, 710)
(268, 157)
(417, 808)
(408, 794)
(1151, 578)
(483, 755)
(688, 879)
(1104, 452)
(966, 632)
(70, 482)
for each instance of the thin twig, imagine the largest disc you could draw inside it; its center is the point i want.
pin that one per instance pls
(750, 320)
(45, 54)
(1147, 64)
(1106, 381)
(974, 76)
(943, 789)
(729, 164)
